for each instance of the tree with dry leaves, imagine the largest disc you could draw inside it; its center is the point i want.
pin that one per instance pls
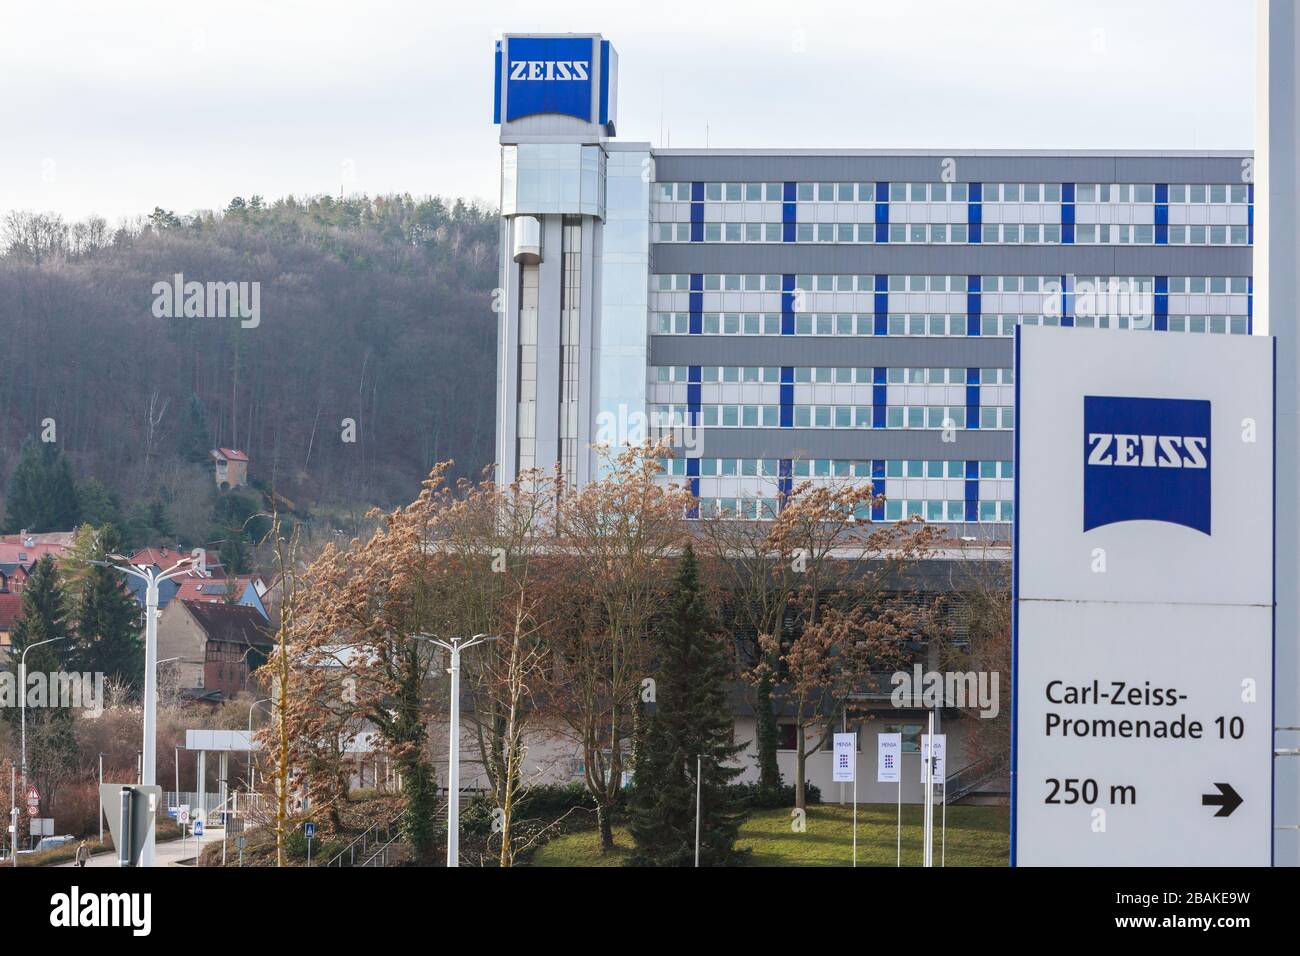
(619, 535)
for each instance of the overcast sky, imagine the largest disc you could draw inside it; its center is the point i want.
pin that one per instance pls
(116, 107)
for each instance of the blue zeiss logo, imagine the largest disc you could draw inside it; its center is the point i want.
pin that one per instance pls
(1146, 459)
(549, 75)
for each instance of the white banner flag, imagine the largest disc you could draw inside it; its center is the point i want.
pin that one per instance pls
(939, 766)
(845, 755)
(889, 754)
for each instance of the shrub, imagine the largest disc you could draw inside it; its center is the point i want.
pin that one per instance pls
(755, 797)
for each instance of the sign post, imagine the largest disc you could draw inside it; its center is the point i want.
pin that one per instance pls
(889, 754)
(846, 771)
(309, 829)
(1143, 599)
(932, 755)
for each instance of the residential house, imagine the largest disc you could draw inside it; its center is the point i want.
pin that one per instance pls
(216, 645)
(231, 467)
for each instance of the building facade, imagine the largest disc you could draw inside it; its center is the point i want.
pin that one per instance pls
(791, 315)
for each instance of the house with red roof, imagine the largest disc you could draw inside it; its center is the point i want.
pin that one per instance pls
(231, 467)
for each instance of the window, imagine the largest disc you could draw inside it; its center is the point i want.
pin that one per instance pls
(911, 734)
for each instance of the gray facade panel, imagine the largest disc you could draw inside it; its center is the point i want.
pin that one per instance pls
(956, 259)
(930, 167)
(853, 444)
(830, 351)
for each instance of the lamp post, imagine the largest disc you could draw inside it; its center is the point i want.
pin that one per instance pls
(151, 579)
(251, 770)
(22, 696)
(454, 646)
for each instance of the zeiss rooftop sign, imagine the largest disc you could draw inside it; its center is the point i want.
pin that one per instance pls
(568, 75)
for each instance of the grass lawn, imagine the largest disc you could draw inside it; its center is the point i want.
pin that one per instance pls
(977, 836)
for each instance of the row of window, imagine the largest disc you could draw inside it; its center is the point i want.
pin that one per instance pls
(836, 468)
(989, 234)
(1142, 193)
(765, 509)
(839, 416)
(928, 325)
(823, 282)
(834, 375)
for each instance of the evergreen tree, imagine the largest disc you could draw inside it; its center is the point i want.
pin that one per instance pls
(195, 446)
(43, 618)
(692, 720)
(107, 637)
(99, 506)
(42, 495)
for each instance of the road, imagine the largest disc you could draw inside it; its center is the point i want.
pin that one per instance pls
(165, 854)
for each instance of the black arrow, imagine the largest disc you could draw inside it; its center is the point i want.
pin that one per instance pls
(1226, 799)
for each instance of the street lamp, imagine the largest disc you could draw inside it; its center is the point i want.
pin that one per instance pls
(454, 646)
(251, 769)
(22, 695)
(151, 579)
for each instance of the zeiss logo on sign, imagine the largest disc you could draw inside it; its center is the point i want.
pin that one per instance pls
(549, 75)
(1146, 459)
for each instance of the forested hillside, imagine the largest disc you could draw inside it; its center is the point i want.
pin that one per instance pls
(374, 310)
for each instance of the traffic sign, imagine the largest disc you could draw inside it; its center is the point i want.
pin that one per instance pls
(33, 800)
(183, 814)
(198, 826)
(1143, 619)
(310, 830)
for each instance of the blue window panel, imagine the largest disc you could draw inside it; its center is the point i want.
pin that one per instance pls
(787, 396)
(693, 470)
(975, 233)
(878, 393)
(880, 320)
(693, 401)
(787, 374)
(972, 490)
(693, 374)
(1067, 215)
(697, 281)
(1067, 234)
(1162, 215)
(1250, 302)
(787, 232)
(1162, 285)
(882, 234)
(787, 192)
(697, 231)
(697, 192)
(877, 416)
(1160, 302)
(972, 470)
(972, 306)
(1162, 235)
(1067, 192)
(696, 310)
(973, 284)
(973, 405)
(788, 212)
(973, 376)
(1162, 193)
(1250, 215)
(878, 487)
(1067, 304)
(974, 214)
(697, 219)
(787, 304)
(878, 376)
(882, 213)
(972, 396)
(976, 192)
(785, 484)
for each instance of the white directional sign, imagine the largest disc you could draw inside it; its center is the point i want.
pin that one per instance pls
(845, 756)
(1143, 581)
(889, 758)
(940, 766)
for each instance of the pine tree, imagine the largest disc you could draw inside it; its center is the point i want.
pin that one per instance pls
(692, 720)
(107, 638)
(43, 618)
(195, 445)
(42, 495)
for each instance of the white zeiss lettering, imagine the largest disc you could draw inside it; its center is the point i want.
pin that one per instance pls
(549, 70)
(1147, 451)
